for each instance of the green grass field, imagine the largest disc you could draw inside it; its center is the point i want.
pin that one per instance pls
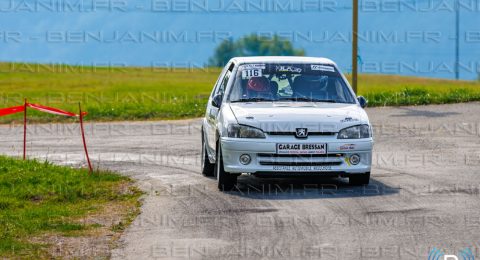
(38, 199)
(160, 93)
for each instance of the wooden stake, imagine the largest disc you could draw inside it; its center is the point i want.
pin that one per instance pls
(355, 47)
(83, 138)
(25, 130)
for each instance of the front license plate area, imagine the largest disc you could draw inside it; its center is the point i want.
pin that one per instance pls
(296, 148)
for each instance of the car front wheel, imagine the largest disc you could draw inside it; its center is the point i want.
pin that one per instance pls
(226, 181)
(359, 179)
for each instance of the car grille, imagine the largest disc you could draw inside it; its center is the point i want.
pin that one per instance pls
(300, 160)
(309, 133)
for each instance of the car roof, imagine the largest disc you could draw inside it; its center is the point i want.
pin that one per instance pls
(286, 59)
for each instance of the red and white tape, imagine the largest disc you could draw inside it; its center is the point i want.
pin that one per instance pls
(51, 110)
(11, 110)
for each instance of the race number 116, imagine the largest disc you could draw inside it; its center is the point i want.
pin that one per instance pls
(246, 74)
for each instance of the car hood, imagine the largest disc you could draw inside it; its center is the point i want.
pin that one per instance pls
(287, 117)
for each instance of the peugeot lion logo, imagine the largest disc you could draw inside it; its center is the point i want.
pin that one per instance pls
(302, 133)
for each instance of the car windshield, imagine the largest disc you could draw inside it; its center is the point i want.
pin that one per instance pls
(289, 82)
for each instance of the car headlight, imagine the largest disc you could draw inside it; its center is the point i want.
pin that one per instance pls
(355, 132)
(243, 131)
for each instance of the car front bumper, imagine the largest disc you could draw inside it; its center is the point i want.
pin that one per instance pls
(266, 161)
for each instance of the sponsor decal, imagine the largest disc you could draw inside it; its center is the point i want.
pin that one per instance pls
(347, 147)
(288, 69)
(253, 66)
(347, 161)
(286, 168)
(323, 68)
(349, 119)
(296, 148)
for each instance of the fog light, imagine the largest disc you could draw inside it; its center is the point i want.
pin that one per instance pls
(245, 159)
(354, 159)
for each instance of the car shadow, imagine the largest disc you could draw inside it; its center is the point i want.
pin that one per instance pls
(306, 188)
(415, 112)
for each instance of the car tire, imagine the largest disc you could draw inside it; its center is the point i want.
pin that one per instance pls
(208, 168)
(359, 179)
(226, 181)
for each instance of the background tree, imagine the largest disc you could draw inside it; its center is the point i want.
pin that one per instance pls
(253, 45)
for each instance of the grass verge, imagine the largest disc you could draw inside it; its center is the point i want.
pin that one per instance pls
(49, 211)
(131, 93)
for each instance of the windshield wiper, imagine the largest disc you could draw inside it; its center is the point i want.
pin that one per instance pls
(309, 99)
(252, 100)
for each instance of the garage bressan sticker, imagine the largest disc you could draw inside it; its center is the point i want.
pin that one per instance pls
(287, 148)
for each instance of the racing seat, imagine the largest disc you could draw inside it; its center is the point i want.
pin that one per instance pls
(308, 87)
(259, 87)
(300, 87)
(274, 89)
(331, 90)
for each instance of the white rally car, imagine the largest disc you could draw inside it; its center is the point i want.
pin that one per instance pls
(285, 116)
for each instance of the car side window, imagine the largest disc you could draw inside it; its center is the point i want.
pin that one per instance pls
(223, 84)
(219, 81)
(217, 84)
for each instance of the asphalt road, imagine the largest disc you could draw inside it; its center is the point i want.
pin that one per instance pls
(424, 191)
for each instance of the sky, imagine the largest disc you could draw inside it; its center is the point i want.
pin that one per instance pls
(407, 37)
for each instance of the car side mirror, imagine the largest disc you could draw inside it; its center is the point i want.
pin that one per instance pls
(217, 100)
(363, 102)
